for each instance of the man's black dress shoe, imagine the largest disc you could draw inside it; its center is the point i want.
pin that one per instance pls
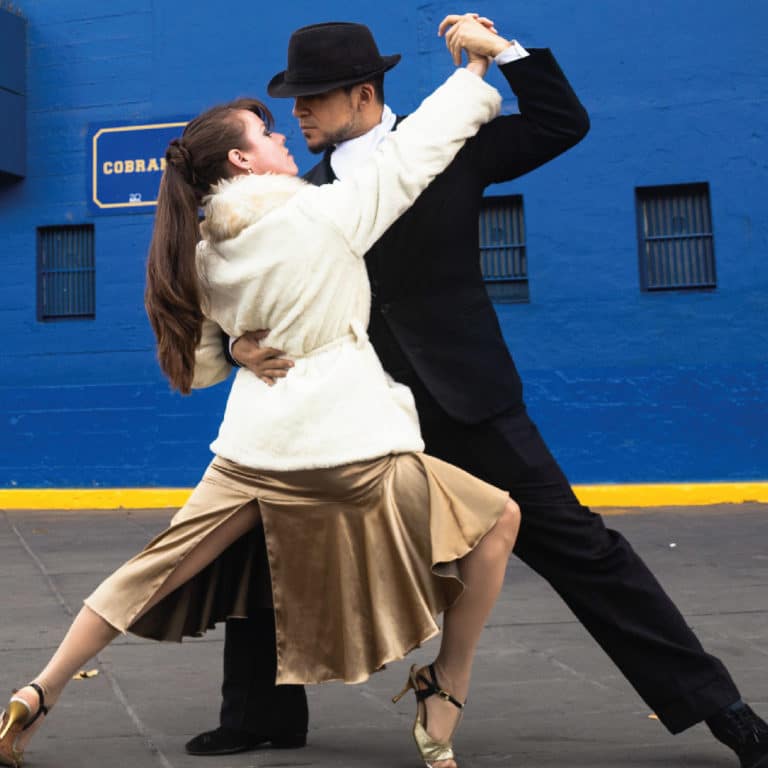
(226, 741)
(739, 728)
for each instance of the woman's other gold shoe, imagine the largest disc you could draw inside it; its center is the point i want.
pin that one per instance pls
(431, 750)
(17, 718)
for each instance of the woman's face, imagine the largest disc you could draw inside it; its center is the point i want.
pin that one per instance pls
(264, 152)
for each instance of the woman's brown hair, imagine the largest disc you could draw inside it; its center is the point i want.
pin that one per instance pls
(194, 163)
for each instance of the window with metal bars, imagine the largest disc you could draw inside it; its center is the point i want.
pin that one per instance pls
(503, 257)
(66, 273)
(676, 246)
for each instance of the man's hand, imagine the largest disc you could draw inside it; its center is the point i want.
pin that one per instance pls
(267, 363)
(474, 34)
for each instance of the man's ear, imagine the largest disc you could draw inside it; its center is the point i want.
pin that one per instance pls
(366, 94)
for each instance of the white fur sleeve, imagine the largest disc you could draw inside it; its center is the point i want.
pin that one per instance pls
(211, 366)
(364, 204)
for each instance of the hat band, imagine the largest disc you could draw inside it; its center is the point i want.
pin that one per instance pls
(295, 78)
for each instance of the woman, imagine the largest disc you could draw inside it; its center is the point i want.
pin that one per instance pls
(368, 540)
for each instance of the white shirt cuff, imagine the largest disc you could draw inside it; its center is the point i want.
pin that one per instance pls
(514, 52)
(232, 341)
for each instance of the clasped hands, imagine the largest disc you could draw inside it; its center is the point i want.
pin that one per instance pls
(476, 36)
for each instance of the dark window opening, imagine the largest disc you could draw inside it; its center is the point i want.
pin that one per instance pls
(503, 258)
(66, 273)
(676, 245)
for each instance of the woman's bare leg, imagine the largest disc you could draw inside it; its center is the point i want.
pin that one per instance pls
(482, 572)
(89, 633)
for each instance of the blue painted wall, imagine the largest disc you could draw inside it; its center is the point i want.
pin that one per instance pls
(626, 386)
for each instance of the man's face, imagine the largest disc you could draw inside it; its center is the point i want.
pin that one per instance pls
(328, 118)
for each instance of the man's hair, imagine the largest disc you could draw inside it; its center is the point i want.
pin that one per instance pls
(378, 87)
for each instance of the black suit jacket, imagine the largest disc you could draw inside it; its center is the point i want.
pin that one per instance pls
(430, 310)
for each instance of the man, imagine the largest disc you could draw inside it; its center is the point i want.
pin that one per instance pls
(436, 331)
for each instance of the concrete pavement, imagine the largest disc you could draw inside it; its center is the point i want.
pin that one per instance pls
(544, 693)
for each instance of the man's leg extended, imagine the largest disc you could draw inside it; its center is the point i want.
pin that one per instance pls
(594, 569)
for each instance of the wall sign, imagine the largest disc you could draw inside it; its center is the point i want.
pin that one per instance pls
(126, 165)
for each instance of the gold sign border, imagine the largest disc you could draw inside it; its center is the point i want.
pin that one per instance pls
(119, 129)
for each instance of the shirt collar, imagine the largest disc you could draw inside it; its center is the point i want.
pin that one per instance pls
(349, 154)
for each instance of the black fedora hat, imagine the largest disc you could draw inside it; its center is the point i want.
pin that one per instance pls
(322, 57)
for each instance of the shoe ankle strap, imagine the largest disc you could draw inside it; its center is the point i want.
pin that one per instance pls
(41, 709)
(432, 688)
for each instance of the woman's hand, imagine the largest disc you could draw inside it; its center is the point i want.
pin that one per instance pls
(476, 35)
(267, 363)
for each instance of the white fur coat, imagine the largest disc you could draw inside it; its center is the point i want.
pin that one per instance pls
(281, 254)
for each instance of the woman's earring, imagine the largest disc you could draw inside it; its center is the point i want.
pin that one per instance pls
(250, 171)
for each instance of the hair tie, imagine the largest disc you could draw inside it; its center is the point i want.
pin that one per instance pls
(185, 166)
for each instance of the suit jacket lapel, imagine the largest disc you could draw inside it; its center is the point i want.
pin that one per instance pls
(322, 173)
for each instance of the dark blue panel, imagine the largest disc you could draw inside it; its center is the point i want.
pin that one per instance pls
(12, 52)
(13, 140)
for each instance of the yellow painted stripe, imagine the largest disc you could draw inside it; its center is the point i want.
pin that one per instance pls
(671, 494)
(646, 495)
(92, 498)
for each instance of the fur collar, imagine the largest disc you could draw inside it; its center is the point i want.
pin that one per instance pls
(236, 203)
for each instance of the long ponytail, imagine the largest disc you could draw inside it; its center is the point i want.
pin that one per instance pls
(172, 295)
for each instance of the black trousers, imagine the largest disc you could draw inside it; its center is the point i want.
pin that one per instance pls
(594, 569)
(250, 699)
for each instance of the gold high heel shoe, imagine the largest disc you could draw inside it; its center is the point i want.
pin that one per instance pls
(17, 718)
(430, 749)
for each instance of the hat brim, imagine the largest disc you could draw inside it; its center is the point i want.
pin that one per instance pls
(278, 88)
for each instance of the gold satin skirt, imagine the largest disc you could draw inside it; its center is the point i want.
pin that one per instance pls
(362, 559)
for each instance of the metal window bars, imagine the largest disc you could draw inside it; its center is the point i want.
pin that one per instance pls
(503, 257)
(66, 272)
(676, 243)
